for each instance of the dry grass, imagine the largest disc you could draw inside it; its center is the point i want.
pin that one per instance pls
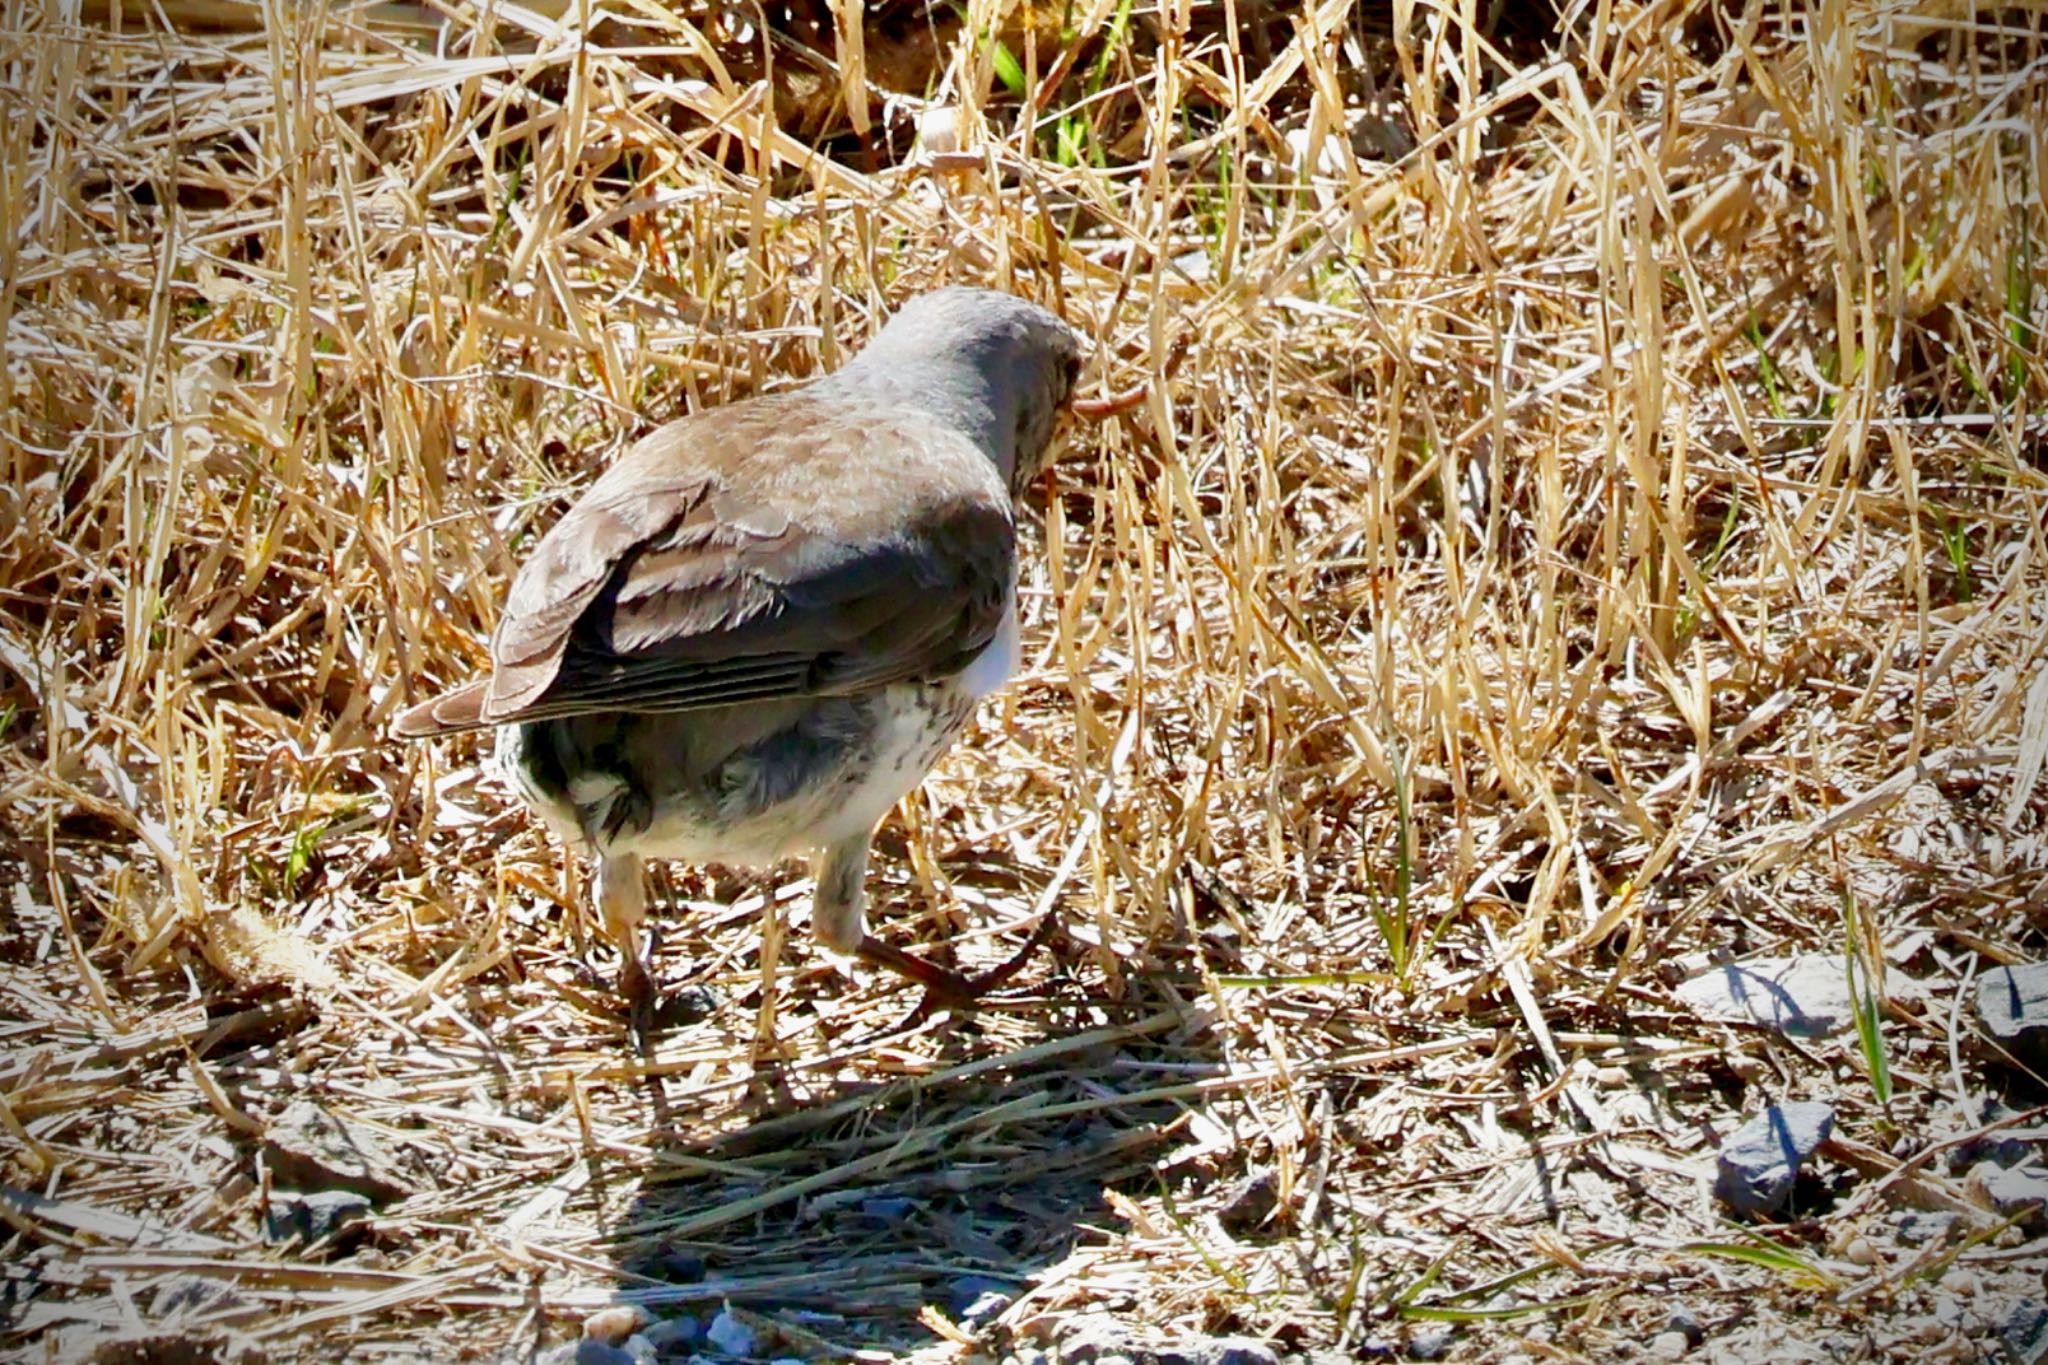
(1599, 520)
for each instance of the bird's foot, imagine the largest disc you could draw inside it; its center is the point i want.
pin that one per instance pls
(648, 1011)
(944, 988)
(642, 997)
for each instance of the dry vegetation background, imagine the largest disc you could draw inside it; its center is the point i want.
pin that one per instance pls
(1597, 521)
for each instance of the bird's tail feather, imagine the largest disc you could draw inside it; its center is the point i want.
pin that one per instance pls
(462, 709)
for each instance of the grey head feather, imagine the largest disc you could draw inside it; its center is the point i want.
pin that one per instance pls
(988, 364)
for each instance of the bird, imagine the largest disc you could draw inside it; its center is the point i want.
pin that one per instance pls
(758, 630)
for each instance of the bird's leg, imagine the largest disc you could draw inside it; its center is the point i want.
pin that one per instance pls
(838, 921)
(837, 915)
(622, 902)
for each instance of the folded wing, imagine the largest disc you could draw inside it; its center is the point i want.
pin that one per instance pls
(733, 557)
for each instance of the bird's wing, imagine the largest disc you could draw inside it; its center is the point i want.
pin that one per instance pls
(735, 556)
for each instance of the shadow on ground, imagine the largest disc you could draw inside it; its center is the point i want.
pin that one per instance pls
(840, 1199)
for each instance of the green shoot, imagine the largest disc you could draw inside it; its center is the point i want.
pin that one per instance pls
(1799, 1270)
(1008, 69)
(1866, 998)
(1767, 370)
(1955, 542)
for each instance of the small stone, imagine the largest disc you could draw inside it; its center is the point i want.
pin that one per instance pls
(1961, 1280)
(1099, 1338)
(1429, 1342)
(1250, 1203)
(678, 1266)
(730, 1335)
(1102, 1339)
(1801, 997)
(673, 1336)
(613, 1325)
(1919, 1226)
(308, 1218)
(2014, 1002)
(1760, 1161)
(2008, 1190)
(977, 1300)
(590, 1351)
(1927, 1330)
(1219, 1351)
(2025, 1333)
(310, 1148)
(688, 1004)
(1669, 1346)
(1999, 1145)
(1860, 1251)
(1684, 1321)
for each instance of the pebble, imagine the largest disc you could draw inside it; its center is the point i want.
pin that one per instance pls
(613, 1325)
(1669, 1346)
(2001, 1145)
(584, 1352)
(2009, 1190)
(678, 1266)
(310, 1217)
(975, 1299)
(730, 1335)
(938, 129)
(1759, 1163)
(1430, 1342)
(1101, 1338)
(1801, 997)
(1918, 1226)
(311, 1148)
(1250, 1203)
(674, 1335)
(2014, 1002)
(2025, 1333)
(983, 1310)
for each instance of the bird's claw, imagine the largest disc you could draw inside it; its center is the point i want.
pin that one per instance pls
(944, 988)
(642, 997)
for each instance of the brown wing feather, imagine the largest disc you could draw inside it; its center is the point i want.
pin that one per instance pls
(733, 556)
(461, 709)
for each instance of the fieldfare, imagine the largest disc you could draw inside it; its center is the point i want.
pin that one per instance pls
(757, 631)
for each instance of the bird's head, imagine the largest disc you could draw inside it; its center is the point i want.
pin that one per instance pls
(1000, 367)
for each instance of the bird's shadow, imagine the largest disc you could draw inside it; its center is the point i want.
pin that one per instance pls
(845, 1195)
